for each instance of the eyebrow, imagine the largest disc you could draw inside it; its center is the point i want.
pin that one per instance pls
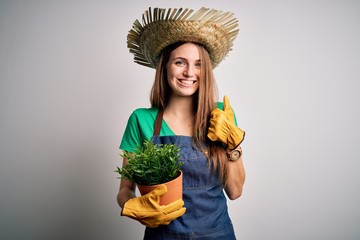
(182, 58)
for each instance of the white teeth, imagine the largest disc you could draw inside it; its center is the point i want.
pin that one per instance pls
(187, 82)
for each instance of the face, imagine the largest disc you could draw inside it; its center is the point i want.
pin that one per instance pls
(183, 70)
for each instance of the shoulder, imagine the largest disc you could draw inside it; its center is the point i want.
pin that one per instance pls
(143, 119)
(140, 127)
(220, 105)
(144, 113)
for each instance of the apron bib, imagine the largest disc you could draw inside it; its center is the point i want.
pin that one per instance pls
(206, 215)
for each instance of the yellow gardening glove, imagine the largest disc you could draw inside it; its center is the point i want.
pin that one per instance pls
(147, 210)
(222, 126)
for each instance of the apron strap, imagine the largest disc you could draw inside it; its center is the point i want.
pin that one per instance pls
(158, 122)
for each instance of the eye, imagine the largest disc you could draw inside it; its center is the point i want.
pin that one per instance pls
(198, 64)
(180, 63)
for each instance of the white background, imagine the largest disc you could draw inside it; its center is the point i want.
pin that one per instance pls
(68, 85)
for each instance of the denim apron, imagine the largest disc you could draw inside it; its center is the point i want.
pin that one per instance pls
(206, 215)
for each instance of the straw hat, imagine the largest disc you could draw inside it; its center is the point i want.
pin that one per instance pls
(215, 30)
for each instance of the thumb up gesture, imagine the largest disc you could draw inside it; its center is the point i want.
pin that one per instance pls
(222, 126)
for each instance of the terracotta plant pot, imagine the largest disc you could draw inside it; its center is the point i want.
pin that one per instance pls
(174, 190)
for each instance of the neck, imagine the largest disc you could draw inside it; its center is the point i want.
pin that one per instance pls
(179, 115)
(180, 106)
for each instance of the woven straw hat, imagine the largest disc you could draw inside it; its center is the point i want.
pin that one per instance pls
(215, 30)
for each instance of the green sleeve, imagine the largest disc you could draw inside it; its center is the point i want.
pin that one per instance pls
(140, 127)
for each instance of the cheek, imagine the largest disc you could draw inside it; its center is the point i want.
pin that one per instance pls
(197, 73)
(169, 75)
(173, 74)
(170, 72)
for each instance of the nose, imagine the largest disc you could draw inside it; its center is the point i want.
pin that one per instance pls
(189, 72)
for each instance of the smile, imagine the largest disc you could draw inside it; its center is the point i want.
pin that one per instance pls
(187, 82)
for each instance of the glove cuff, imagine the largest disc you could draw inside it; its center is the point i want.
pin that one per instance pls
(125, 211)
(235, 138)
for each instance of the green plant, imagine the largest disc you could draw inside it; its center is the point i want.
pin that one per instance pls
(151, 164)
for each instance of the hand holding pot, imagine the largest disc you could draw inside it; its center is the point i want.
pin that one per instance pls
(147, 210)
(222, 126)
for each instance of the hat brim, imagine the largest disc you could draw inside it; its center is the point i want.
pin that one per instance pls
(213, 29)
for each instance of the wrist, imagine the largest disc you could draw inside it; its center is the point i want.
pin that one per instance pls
(234, 154)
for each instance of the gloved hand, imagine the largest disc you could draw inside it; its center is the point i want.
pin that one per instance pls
(147, 210)
(222, 126)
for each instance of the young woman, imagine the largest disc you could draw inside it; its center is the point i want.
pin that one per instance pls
(184, 97)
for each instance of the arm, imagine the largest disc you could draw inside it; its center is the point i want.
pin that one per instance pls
(223, 128)
(126, 190)
(236, 179)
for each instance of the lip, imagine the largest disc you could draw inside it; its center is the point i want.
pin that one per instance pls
(187, 82)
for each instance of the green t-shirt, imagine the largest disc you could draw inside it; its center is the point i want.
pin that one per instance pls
(140, 127)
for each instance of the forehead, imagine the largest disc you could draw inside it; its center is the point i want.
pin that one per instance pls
(188, 51)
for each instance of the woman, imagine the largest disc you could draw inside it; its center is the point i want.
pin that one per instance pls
(184, 96)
